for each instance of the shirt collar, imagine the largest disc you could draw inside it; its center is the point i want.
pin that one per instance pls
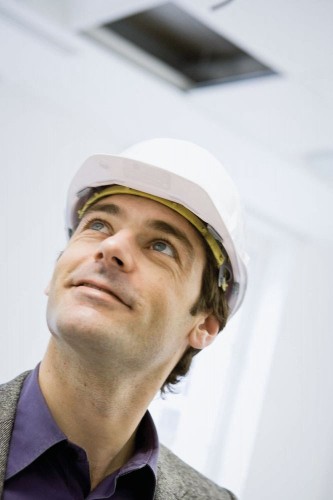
(35, 431)
(146, 449)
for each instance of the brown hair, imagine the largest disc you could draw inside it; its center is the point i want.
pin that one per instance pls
(211, 299)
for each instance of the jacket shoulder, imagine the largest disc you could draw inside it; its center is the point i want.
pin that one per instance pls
(176, 479)
(9, 394)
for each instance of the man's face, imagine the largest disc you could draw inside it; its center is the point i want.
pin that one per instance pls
(123, 288)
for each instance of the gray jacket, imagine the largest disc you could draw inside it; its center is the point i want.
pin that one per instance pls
(175, 479)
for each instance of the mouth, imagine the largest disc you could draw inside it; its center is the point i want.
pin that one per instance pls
(102, 288)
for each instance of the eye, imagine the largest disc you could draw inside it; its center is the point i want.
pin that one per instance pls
(164, 247)
(96, 225)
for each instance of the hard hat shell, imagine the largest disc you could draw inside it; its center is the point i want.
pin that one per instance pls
(179, 171)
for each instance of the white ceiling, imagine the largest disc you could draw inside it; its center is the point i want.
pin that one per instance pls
(291, 114)
(275, 133)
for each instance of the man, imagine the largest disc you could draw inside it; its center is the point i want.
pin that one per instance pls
(150, 275)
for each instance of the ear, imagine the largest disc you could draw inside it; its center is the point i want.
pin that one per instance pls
(204, 332)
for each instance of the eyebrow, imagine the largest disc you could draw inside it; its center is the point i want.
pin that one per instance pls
(108, 208)
(156, 224)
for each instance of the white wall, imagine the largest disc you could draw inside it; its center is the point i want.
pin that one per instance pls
(267, 426)
(292, 455)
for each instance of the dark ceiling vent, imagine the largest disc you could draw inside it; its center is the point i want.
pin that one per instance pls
(188, 47)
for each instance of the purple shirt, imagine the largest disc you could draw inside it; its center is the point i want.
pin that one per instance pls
(42, 463)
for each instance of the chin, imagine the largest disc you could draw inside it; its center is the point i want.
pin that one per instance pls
(73, 321)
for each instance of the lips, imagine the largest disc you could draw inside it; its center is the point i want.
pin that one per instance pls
(90, 285)
(104, 288)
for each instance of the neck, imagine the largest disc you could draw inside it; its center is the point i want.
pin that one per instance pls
(96, 409)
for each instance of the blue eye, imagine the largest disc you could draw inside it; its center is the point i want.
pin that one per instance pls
(97, 225)
(163, 247)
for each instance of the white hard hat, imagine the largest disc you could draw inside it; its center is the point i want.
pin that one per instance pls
(182, 173)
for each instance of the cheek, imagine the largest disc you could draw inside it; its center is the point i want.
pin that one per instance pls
(68, 260)
(169, 304)
(58, 279)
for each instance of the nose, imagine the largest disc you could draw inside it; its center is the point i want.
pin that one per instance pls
(118, 250)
